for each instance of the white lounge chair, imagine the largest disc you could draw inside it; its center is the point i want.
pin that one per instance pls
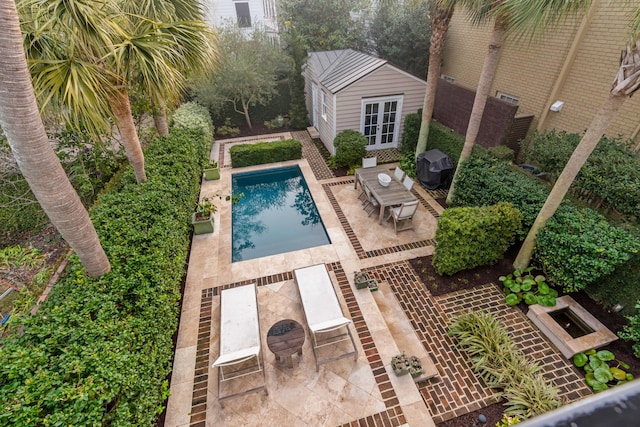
(403, 213)
(323, 312)
(240, 346)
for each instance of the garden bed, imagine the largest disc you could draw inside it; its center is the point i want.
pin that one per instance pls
(468, 279)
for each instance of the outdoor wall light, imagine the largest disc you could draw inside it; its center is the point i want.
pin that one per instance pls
(557, 106)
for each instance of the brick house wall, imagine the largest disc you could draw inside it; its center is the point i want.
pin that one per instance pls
(529, 69)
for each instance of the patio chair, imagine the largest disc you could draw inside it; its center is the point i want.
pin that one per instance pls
(370, 202)
(369, 162)
(399, 173)
(326, 321)
(403, 214)
(363, 195)
(408, 183)
(240, 346)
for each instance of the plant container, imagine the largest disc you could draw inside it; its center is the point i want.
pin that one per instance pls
(202, 226)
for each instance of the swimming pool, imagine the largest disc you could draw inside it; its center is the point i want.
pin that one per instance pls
(277, 214)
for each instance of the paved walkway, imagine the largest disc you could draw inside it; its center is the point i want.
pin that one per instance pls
(401, 316)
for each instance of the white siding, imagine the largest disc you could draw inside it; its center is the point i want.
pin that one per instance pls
(385, 81)
(220, 12)
(325, 124)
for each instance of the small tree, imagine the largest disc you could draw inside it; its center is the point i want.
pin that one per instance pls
(247, 75)
(298, 109)
(401, 35)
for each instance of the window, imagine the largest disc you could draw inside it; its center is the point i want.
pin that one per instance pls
(509, 98)
(244, 15)
(447, 78)
(323, 97)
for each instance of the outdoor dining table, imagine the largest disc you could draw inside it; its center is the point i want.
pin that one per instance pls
(393, 195)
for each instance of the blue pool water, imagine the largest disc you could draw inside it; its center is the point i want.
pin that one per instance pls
(277, 214)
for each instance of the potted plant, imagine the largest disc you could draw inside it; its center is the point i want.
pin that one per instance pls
(202, 218)
(212, 172)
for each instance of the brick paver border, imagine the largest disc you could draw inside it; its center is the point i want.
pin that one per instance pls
(457, 390)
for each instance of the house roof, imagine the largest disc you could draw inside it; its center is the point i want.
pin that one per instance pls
(338, 69)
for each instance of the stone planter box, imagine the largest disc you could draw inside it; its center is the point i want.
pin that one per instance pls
(211, 174)
(202, 226)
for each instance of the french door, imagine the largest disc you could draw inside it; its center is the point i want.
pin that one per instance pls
(380, 122)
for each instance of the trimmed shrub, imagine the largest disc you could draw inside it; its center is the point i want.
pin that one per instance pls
(474, 236)
(265, 152)
(192, 115)
(631, 332)
(502, 152)
(484, 180)
(575, 248)
(99, 351)
(619, 287)
(410, 134)
(612, 172)
(578, 246)
(351, 147)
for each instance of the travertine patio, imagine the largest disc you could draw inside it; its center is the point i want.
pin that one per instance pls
(400, 316)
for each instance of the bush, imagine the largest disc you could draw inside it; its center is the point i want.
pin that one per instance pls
(265, 152)
(612, 172)
(502, 152)
(410, 134)
(99, 351)
(619, 287)
(351, 147)
(192, 115)
(631, 332)
(484, 180)
(474, 236)
(501, 364)
(575, 248)
(578, 247)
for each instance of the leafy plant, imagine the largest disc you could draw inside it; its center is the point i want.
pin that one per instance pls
(205, 207)
(507, 421)
(523, 286)
(278, 122)
(501, 364)
(192, 115)
(228, 129)
(474, 236)
(600, 374)
(351, 147)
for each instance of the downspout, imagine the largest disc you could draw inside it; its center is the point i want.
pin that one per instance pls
(568, 63)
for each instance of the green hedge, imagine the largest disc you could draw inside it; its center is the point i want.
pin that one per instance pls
(192, 115)
(265, 152)
(575, 249)
(578, 246)
(99, 351)
(484, 180)
(351, 147)
(474, 236)
(612, 172)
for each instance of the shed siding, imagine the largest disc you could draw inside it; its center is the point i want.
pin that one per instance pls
(325, 124)
(385, 81)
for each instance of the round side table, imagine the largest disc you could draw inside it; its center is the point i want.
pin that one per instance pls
(285, 338)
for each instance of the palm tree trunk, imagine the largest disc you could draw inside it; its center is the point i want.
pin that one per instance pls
(20, 119)
(579, 157)
(487, 75)
(121, 108)
(160, 116)
(440, 19)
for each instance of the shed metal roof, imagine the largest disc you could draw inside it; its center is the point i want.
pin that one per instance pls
(337, 69)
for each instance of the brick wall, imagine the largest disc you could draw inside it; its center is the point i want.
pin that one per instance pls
(528, 69)
(453, 108)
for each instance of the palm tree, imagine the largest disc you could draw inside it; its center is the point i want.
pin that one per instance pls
(518, 17)
(196, 44)
(87, 55)
(20, 119)
(626, 82)
(440, 15)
